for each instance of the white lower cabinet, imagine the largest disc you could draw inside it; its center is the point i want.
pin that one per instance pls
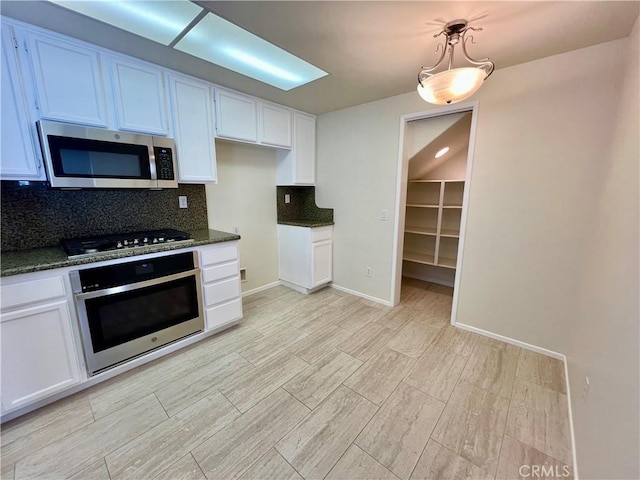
(221, 284)
(39, 355)
(305, 256)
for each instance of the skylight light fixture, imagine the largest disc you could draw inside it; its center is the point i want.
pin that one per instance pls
(159, 21)
(453, 85)
(185, 26)
(221, 42)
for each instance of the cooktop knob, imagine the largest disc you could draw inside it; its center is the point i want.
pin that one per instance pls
(119, 245)
(155, 240)
(135, 241)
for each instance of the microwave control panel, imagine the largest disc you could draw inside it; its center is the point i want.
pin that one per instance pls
(164, 163)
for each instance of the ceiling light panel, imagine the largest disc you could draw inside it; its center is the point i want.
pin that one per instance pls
(160, 21)
(223, 43)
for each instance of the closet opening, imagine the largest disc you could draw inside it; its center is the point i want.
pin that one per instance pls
(434, 171)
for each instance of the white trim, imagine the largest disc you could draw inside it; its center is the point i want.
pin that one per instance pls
(303, 290)
(548, 353)
(362, 295)
(401, 193)
(573, 435)
(512, 341)
(253, 291)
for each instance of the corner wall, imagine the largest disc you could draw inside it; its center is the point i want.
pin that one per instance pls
(544, 131)
(245, 197)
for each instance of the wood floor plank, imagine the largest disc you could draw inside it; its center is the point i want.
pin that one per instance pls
(231, 452)
(196, 385)
(157, 449)
(269, 347)
(184, 469)
(380, 375)
(456, 340)
(357, 465)
(320, 342)
(271, 467)
(358, 315)
(131, 386)
(436, 373)
(89, 444)
(439, 463)
(398, 433)
(367, 341)
(520, 461)
(413, 339)
(492, 366)
(26, 434)
(397, 317)
(97, 471)
(542, 370)
(317, 382)
(538, 418)
(249, 387)
(472, 425)
(221, 344)
(318, 442)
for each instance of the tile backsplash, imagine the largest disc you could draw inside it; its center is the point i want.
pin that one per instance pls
(37, 216)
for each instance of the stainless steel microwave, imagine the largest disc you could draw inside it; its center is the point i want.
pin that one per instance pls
(84, 157)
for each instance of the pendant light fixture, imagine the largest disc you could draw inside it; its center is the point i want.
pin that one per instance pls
(453, 84)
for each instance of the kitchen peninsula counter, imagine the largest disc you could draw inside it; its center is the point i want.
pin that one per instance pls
(46, 258)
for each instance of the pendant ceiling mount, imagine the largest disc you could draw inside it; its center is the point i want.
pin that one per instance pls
(454, 84)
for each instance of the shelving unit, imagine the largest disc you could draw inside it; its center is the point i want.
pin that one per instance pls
(432, 222)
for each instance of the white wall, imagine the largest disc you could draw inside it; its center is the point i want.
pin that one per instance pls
(245, 197)
(544, 132)
(603, 341)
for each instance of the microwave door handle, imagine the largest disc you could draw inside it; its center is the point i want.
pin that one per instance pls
(136, 286)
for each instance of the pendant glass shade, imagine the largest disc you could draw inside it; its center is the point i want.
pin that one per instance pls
(451, 86)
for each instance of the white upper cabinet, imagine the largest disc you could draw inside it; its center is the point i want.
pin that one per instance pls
(236, 116)
(19, 160)
(275, 125)
(193, 128)
(68, 81)
(140, 97)
(298, 165)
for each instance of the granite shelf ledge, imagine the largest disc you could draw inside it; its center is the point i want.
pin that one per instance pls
(47, 258)
(306, 223)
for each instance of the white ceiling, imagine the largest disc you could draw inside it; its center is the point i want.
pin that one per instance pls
(371, 49)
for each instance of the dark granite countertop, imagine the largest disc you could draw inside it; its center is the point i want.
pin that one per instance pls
(46, 258)
(306, 223)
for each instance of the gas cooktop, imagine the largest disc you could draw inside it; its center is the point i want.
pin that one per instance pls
(89, 246)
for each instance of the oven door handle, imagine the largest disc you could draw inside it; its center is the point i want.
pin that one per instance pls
(136, 286)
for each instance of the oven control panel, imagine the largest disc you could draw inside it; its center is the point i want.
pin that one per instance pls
(164, 163)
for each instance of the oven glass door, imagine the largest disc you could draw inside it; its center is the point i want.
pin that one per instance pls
(119, 318)
(84, 158)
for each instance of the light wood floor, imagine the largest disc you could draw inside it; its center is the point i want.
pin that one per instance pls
(321, 386)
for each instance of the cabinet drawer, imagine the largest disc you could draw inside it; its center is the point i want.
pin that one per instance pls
(225, 313)
(221, 291)
(219, 272)
(30, 292)
(321, 233)
(218, 254)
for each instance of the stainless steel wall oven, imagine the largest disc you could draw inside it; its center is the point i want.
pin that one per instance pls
(130, 308)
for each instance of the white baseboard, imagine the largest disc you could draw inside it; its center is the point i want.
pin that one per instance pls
(548, 353)
(262, 288)
(362, 295)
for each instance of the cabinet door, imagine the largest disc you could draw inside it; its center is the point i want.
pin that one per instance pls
(322, 262)
(275, 125)
(68, 81)
(38, 354)
(20, 160)
(139, 97)
(236, 116)
(193, 128)
(304, 149)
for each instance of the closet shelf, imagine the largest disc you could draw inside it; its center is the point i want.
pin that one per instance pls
(449, 233)
(419, 258)
(420, 230)
(423, 205)
(447, 262)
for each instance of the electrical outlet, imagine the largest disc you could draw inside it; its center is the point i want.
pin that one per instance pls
(182, 201)
(287, 198)
(384, 215)
(368, 272)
